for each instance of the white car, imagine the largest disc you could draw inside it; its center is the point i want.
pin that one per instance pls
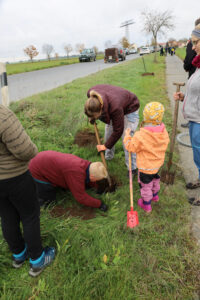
(132, 51)
(144, 50)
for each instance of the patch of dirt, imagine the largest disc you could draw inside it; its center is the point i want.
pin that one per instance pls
(103, 185)
(85, 138)
(85, 213)
(146, 74)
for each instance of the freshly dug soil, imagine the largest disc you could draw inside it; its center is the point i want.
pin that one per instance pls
(103, 185)
(85, 213)
(146, 74)
(85, 138)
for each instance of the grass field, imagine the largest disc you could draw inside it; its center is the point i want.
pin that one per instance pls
(100, 259)
(39, 65)
(181, 52)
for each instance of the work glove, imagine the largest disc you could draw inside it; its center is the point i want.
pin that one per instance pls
(103, 207)
(92, 121)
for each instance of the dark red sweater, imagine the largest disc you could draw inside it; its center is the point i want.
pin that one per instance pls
(117, 102)
(64, 170)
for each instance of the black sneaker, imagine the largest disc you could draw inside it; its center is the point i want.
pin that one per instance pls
(103, 207)
(38, 265)
(185, 125)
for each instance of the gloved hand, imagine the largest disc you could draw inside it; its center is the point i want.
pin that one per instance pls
(103, 207)
(92, 121)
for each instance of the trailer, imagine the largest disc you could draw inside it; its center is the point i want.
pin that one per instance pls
(111, 55)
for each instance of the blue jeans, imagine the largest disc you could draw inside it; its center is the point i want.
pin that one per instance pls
(194, 130)
(130, 121)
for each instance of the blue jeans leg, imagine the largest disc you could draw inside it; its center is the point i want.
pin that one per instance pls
(194, 130)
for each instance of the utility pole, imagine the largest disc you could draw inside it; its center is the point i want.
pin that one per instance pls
(126, 24)
(4, 85)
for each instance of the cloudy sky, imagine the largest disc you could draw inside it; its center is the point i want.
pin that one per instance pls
(92, 22)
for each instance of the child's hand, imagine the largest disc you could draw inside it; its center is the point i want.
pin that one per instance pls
(127, 131)
(127, 136)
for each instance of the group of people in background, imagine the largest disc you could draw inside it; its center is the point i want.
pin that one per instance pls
(29, 179)
(168, 49)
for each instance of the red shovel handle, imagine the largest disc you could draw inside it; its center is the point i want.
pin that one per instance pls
(130, 181)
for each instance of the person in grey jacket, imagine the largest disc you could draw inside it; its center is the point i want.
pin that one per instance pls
(188, 66)
(191, 104)
(18, 199)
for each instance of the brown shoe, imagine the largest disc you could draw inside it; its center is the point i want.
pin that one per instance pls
(193, 185)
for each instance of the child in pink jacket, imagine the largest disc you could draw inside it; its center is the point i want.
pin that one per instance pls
(150, 144)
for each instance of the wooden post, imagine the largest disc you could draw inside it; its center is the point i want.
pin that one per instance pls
(4, 85)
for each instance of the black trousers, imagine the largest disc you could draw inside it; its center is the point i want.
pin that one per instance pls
(18, 203)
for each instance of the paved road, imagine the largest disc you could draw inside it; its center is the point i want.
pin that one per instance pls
(30, 83)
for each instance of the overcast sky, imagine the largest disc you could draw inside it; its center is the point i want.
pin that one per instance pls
(92, 22)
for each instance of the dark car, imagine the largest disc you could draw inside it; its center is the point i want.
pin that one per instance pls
(121, 53)
(87, 55)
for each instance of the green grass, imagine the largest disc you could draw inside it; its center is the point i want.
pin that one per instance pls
(181, 52)
(39, 65)
(100, 258)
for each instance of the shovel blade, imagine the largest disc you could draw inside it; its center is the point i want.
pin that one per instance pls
(132, 219)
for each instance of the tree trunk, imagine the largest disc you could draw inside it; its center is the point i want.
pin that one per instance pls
(155, 53)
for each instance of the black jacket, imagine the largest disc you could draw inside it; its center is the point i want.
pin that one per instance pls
(190, 54)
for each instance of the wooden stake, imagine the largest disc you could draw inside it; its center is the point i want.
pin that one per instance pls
(4, 85)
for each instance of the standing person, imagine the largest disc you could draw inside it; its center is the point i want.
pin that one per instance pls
(161, 51)
(166, 48)
(150, 144)
(191, 104)
(188, 66)
(18, 199)
(118, 108)
(51, 169)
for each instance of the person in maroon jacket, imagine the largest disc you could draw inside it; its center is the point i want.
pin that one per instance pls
(118, 108)
(51, 169)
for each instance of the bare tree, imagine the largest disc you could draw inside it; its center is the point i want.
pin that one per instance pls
(95, 49)
(47, 49)
(68, 48)
(108, 44)
(124, 42)
(80, 47)
(31, 51)
(155, 23)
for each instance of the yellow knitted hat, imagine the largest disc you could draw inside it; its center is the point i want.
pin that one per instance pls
(153, 113)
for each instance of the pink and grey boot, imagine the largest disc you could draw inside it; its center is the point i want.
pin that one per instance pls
(155, 197)
(146, 206)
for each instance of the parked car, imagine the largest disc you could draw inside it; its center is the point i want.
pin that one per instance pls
(126, 51)
(144, 50)
(87, 55)
(132, 51)
(121, 53)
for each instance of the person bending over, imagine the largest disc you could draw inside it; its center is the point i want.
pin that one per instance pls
(116, 107)
(51, 169)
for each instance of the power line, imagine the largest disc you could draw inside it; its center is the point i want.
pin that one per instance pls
(126, 25)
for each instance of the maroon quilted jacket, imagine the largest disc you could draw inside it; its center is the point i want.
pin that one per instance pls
(63, 170)
(117, 102)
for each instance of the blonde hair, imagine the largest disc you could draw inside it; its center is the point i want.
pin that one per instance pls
(153, 113)
(94, 104)
(98, 170)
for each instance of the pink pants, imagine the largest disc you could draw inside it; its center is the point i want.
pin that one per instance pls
(149, 190)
